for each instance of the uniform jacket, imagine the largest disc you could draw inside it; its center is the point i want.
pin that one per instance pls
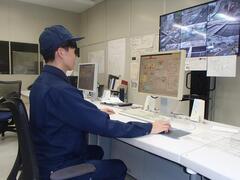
(60, 119)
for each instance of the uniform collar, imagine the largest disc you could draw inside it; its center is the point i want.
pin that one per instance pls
(55, 71)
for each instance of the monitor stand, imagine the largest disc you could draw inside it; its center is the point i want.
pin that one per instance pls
(152, 103)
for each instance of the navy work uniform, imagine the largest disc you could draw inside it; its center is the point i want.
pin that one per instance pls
(59, 121)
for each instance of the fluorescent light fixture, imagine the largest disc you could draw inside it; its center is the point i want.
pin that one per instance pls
(226, 17)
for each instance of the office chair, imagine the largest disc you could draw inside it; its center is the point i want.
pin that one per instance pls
(25, 162)
(8, 89)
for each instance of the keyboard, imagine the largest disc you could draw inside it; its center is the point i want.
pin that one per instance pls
(143, 115)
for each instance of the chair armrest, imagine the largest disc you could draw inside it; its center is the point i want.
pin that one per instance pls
(2, 109)
(5, 114)
(72, 171)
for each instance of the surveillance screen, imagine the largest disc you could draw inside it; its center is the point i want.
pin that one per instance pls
(223, 28)
(206, 30)
(170, 34)
(193, 31)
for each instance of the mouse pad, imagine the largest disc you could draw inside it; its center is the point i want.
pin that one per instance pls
(176, 133)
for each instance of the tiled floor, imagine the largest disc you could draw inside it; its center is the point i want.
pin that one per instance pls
(8, 152)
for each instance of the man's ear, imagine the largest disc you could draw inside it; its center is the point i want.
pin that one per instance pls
(60, 52)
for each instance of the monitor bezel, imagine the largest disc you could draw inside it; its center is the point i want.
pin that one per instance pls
(181, 83)
(95, 77)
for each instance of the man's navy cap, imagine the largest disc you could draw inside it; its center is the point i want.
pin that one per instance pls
(53, 37)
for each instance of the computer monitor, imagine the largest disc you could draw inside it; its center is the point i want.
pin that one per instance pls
(73, 80)
(87, 76)
(163, 74)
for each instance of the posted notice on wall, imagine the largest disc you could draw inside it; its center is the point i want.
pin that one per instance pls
(196, 64)
(97, 57)
(116, 57)
(143, 42)
(134, 71)
(222, 66)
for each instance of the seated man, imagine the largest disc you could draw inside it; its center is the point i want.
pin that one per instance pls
(60, 118)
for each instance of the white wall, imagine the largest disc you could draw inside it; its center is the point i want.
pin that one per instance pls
(227, 99)
(113, 19)
(22, 22)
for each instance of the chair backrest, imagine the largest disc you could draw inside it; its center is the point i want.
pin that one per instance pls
(26, 160)
(10, 89)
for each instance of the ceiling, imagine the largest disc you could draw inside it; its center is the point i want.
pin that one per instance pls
(67, 5)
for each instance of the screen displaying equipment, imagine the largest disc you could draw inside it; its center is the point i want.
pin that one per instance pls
(87, 76)
(163, 74)
(210, 29)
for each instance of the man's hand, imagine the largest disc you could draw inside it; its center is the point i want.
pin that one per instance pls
(107, 110)
(160, 126)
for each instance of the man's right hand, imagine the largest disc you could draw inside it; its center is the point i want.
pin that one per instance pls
(160, 126)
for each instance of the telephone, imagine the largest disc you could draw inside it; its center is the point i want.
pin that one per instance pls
(152, 103)
(108, 99)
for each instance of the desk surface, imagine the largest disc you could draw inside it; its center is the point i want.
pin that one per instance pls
(206, 150)
(217, 160)
(202, 151)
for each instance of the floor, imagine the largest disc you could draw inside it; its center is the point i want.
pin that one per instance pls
(8, 152)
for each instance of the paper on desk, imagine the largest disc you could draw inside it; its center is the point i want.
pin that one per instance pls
(97, 57)
(222, 66)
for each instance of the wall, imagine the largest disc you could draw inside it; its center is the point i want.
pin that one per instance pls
(227, 99)
(113, 19)
(23, 22)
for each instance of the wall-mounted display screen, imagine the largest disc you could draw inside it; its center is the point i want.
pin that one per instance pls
(223, 28)
(210, 29)
(24, 58)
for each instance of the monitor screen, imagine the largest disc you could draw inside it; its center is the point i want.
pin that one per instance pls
(210, 29)
(193, 31)
(87, 76)
(223, 28)
(163, 74)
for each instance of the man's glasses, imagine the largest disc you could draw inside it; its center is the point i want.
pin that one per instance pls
(73, 45)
